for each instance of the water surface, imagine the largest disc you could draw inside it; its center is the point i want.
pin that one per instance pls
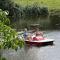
(37, 53)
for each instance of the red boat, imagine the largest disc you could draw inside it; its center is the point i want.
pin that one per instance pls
(40, 42)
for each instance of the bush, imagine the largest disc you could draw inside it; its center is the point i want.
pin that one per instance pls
(14, 12)
(8, 36)
(3, 17)
(17, 12)
(35, 11)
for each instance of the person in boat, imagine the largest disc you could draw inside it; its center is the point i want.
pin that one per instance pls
(38, 35)
(25, 33)
(29, 37)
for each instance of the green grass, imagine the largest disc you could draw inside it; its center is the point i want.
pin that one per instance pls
(51, 4)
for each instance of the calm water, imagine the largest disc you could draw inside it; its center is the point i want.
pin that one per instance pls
(37, 53)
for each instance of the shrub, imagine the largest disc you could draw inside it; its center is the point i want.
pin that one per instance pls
(35, 11)
(8, 36)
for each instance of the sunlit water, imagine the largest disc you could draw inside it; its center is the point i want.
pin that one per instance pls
(37, 53)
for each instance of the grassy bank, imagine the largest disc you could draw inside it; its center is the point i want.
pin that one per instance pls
(51, 4)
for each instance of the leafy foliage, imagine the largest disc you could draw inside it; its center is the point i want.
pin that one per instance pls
(8, 36)
(12, 8)
(35, 11)
(18, 11)
(3, 17)
(52, 4)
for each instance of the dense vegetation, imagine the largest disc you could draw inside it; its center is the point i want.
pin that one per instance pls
(31, 11)
(51, 4)
(8, 36)
(53, 8)
(12, 8)
(18, 12)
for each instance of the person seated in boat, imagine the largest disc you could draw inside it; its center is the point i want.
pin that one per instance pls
(25, 33)
(38, 36)
(34, 32)
(29, 37)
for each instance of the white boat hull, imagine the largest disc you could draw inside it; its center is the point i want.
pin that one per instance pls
(40, 42)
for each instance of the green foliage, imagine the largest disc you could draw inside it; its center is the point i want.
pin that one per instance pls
(12, 8)
(35, 11)
(3, 17)
(8, 36)
(30, 9)
(18, 11)
(52, 4)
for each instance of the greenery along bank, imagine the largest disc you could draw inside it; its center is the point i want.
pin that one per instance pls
(33, 11)
(52, 5)
(53, 8)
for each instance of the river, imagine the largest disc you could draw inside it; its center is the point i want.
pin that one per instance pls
(37, 53)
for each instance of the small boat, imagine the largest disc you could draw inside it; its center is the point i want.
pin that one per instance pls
(40, 42)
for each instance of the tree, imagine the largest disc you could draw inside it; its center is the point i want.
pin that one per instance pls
(8, 36)
(13, 8)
